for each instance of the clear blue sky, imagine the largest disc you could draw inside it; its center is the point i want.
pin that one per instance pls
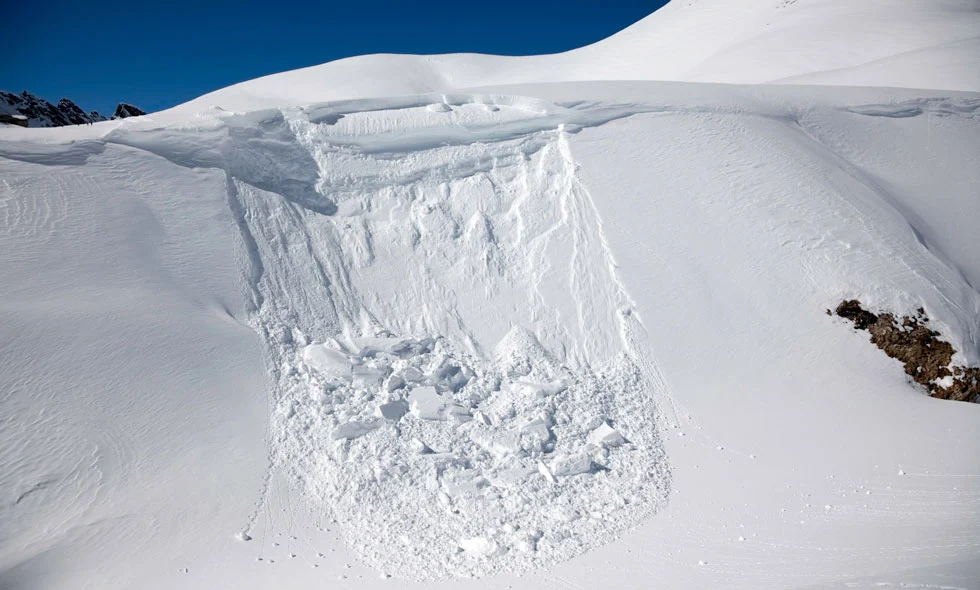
(156, 55)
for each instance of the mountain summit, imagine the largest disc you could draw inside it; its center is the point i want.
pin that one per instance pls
(41, 113)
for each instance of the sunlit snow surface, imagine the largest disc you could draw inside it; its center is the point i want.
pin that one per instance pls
(565, 335)
(458, 235)
(470, 308)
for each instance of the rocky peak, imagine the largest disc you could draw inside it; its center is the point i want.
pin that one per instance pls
(125, 110)
(41, 113)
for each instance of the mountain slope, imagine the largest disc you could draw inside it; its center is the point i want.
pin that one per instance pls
(564, 335)
(918, 44)
(692, 242)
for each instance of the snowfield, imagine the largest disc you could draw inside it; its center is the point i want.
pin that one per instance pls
(469, 322)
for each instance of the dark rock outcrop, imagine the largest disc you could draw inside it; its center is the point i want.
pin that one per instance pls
(125, 110)
(927, 358)
(19, 120)
(41, 113)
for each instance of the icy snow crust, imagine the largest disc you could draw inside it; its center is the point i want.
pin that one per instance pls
(451, 343)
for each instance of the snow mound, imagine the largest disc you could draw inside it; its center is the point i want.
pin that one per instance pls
(893, 43)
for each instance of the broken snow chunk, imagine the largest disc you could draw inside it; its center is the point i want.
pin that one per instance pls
(536, 435)
(411, 375)
(569, 465)
(327, 361)
(461, 483)
(480, 547)
(371, 347)
(394, 383)
(607, 436)
(449, 375)
(513, 478)
(541, 390)
(445, 460)
(365, 377)
(354, 429)
(427, 404)
(458, 413)
(439, 107)
(396, 347)
(546, 472)
(500, 444)
(393, 410)
(526, 545)
(564, 514)
(420, 447)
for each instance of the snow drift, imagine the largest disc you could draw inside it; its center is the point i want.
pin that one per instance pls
(897, 43)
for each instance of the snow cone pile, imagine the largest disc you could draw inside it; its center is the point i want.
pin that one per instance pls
(438, 463)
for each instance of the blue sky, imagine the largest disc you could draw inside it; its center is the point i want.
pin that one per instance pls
(156, 55)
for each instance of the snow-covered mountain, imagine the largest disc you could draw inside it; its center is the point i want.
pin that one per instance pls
(41, 113)
(125, 110)
(895, 43)
(469, 321)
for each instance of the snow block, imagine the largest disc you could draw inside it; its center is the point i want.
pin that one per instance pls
(354, 429)
(606, 436)
(427, 404)
(392, 410)
(327, 361)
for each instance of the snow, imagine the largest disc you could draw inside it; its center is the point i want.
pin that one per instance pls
(606, 435)
(890, 43)
(531, 335)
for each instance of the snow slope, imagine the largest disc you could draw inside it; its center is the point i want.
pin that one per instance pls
(898, 43)
(562, 335)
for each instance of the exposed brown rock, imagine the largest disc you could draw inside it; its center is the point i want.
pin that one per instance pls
(853, 311)
(926, 357)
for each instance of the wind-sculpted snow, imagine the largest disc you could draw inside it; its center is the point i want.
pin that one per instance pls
(449, 339)
(886, 43)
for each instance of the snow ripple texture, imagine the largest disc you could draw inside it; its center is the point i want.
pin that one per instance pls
(453, 353)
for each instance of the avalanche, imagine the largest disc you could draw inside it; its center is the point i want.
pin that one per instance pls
(314, 329)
